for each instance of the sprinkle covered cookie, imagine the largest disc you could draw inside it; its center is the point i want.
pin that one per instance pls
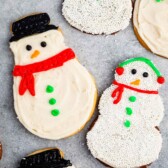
(98, 16)
(126, 133)
(151, 25)
(46, 158)
(54, 94)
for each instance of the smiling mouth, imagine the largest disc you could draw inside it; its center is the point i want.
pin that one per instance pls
(35, 54)
(136, 82)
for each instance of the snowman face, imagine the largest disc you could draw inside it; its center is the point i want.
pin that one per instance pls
(38, 47)
(138, 75)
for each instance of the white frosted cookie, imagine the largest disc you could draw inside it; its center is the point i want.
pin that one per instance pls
(50, 157)
(54, 95)
(98, 16)
(151, 25)
(126, 134)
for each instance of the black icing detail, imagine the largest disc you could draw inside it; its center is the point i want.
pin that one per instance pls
(30, 25)
(47, 159)
(145, 74)
(133, 71)
(28, 47)
(43, 44)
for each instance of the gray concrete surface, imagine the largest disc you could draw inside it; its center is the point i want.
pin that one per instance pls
(99, 54)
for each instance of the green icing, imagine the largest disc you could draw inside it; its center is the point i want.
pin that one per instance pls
(129, 111)
(52, 101)
(49, 89)
(55, 112)
(127, 123)
(159, 0)
(147, 61)
(132, 98)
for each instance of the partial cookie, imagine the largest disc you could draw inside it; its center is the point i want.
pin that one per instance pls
(47, 158)
(131, 109)
(54, 94)
(0, 151)
(98, 16)
(151, 25)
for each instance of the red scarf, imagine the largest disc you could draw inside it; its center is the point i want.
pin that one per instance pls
(26, 71)
(117, 93)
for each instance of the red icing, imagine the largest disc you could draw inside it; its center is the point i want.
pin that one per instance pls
(120, 89)
(161, 80)
(26, 71)
(120, 70)
(117, 93)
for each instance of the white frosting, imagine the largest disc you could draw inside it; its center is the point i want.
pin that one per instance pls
(150, 20)
(98, 16)
(140, 144)
(74, 90)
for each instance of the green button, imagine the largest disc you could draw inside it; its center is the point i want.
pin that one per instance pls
(52, 101)
(127, 123)
(129, 111)
(49, 89)
(132, 98)
(55, 112)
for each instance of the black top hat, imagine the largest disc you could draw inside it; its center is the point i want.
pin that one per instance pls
(47, 159)
(29, 25)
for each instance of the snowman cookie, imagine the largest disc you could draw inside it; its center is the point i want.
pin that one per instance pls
(126, 134)
(98, 16)
(151, 25)
(54, 95)
(47, 158)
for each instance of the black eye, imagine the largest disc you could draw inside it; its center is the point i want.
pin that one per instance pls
(28, 47)
(145, 74)
(133, 71)
(43, 44)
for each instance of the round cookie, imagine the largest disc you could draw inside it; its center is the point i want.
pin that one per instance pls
(54, 95)
(98, 16)
(126, 133)
(50, 157)
(151, 25)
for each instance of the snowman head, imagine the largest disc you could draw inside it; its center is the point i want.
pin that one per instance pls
(139, 73)
(35, 39)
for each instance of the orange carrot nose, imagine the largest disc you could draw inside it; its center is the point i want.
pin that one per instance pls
(35, 54)
(136, 82)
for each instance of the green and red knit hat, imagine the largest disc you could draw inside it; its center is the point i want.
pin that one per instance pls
(120, 69)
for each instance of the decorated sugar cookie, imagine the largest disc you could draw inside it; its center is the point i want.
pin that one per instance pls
(151, 25)
(131, 109)
(54, 94)
(98, 16)
(46, 158)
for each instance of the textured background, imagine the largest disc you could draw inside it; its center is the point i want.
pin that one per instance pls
(99, 54)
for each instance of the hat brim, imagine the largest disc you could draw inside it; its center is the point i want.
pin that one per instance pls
(34, 31)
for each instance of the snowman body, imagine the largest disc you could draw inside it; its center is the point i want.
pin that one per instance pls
(69, 83)
(121, 141)
(125, 134)
(73, 95)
